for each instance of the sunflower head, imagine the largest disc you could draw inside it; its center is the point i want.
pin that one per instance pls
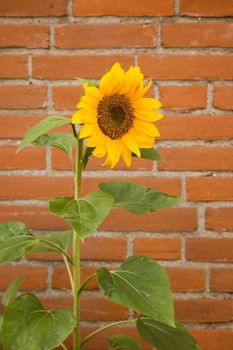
(117, 120)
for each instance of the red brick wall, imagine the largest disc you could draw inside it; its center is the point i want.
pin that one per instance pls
(184, 46)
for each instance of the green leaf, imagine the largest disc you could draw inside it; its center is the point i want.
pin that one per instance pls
(85, 214)
(15, 241)
(63, 141)
(11, 290)
(149, 153)
(41, 128)
(142, 285)
(27, 326)
(62, 239)
(88, 81)
(137, 199)
(123, 342)
(164, 337)
(87, 154)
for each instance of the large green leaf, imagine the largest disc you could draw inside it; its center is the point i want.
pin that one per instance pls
(164, 337)
(61, 239)
(11, 290)
(41, 128)
(123, 342)
(142, 285)
(63, 141)
(137, 199)
(27, 326)
(15, 241)
(149, 153)
(85, 214)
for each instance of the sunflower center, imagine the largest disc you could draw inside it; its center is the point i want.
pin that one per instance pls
(115, 115)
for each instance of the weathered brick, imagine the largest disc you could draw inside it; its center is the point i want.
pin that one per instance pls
(28, 36)
(186, 279)
(210, 188)
(223, 96)
(213, 339)
(30, 158)
(219, 219)
(207, 8)
(23, 97)
(13, 66)
(221, 280)
(60, 278)
(158, 248)
(183, 97)
(209, 249)
(112, 35)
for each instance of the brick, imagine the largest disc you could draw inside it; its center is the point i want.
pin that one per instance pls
(13, 66)
(223, 96)
(45, 187)
(209, 249)
(204, 310)
(210, 188)
(35, 8)
(30, 158)
(207, 8)
(23, 97)
(219, 219)
(191, 127)
(183, 97)
(158, 248)
(34, 277)
(61, 162)
(60, 278)
(214, 339)
(68, 67)
(221, 280)
(186, 279)
(94, 248)
(66, 97)
(196, 158)
(205, 34)
(185, 67)
(92, 309)
(122, 8)
(28, 36)
(165, 220)
(114, 35)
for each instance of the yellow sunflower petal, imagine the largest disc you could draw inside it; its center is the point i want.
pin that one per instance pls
(146, 128)
(85, 115)
(114, 152)
(149, 116)
(126, 154)
(146, 103)
(111, 81)
(131, 144)
(143, 141)
(101, 148)
(132, 79)
(87, 130)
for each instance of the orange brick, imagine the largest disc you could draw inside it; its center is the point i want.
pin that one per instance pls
(60, 278)
(28, 36)
(30, 158)
(207, 8)
(221, 280)
(219, 219)
(92, 309)
(186, 279)
(204, 34)
(158, 248)
(183, 97)
(214, 339)
(122, 8)
(68, 67)
(23, 96)
(34, 277)
(204, 310)
(35, 8)
(210, 188)
(193, 127)
(114, 35)
(185, 67)
(223, 96)
(165, 220)
(209, 249)
(13, 66)
(60, 161)
(66, 97)
(196, 158)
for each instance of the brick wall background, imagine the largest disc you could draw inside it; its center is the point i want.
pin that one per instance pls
(185, 47)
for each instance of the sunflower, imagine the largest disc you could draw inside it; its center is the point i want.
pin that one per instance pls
(117, 120)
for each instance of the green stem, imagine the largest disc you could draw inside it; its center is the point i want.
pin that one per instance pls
(69, 272)
(85, 282)
(106, 327)
(51, 244)
(76, 247)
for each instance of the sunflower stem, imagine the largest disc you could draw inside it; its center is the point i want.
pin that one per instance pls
(76, 245)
